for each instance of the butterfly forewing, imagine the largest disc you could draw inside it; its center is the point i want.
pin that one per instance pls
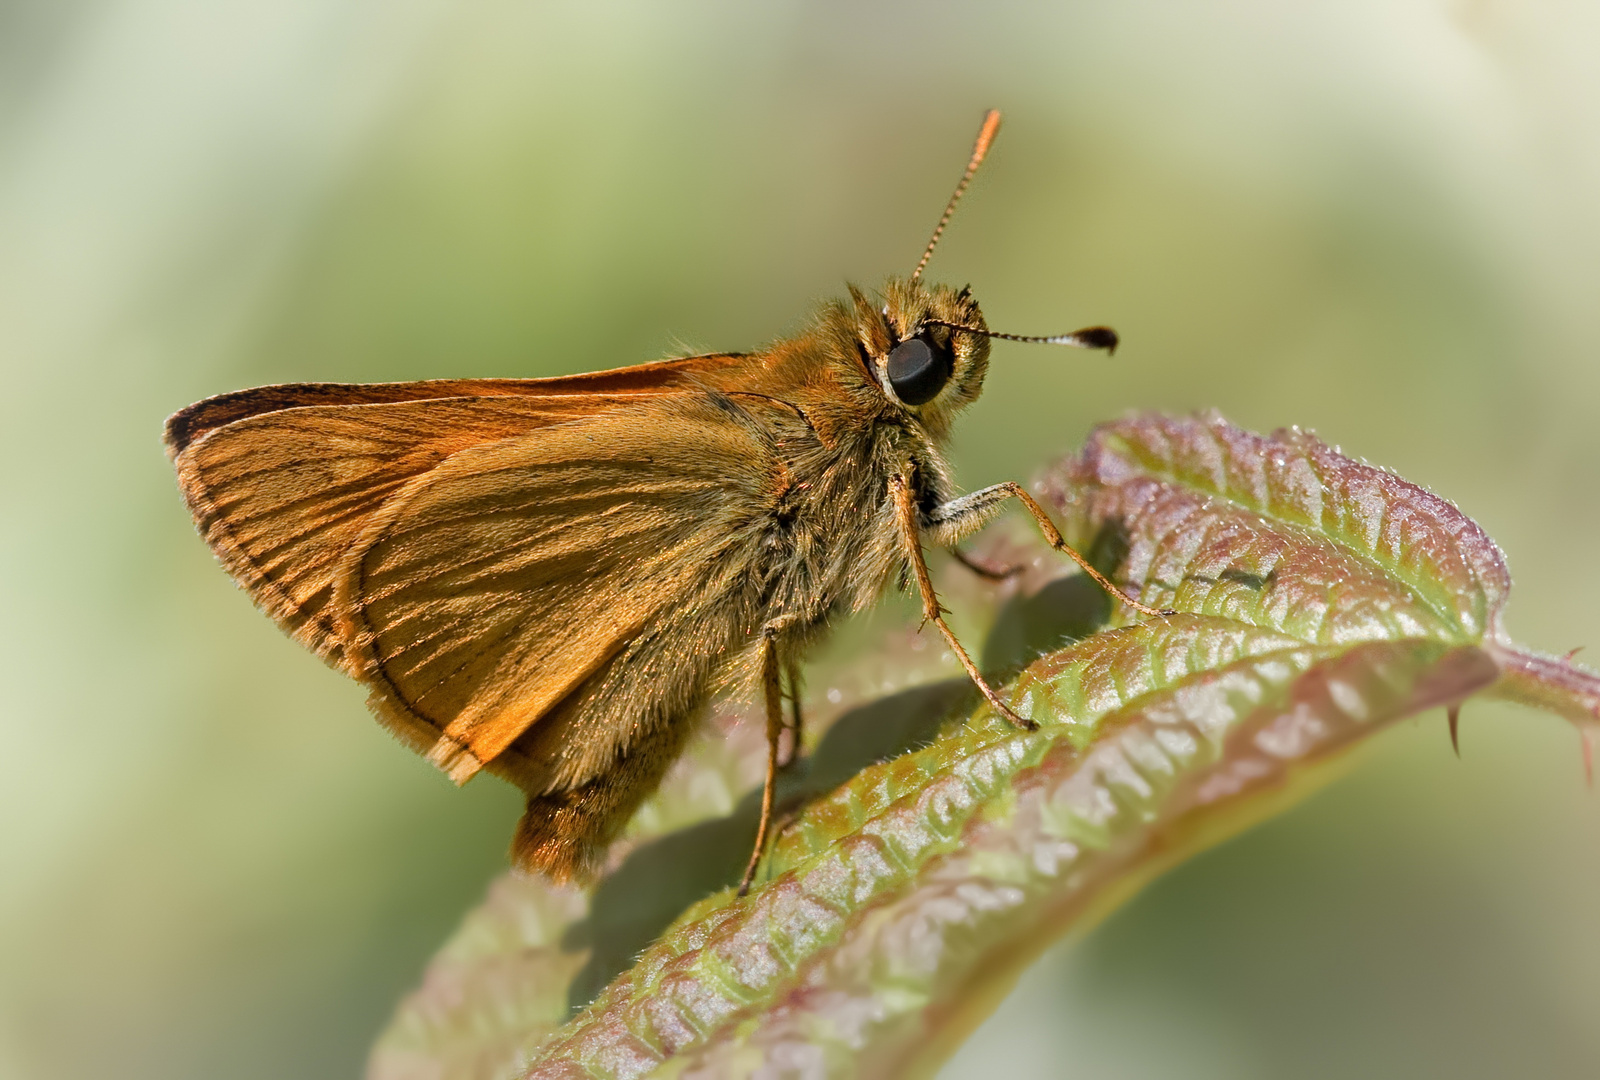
(282, 479)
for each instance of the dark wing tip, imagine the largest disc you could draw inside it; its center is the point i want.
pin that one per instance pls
(187, 425)
(179, 430)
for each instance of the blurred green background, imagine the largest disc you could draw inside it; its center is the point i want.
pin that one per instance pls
(1375, 219)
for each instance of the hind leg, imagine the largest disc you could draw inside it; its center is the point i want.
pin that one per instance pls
(791, 675)
(772, 692)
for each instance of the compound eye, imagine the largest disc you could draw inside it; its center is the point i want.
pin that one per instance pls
(918, 370)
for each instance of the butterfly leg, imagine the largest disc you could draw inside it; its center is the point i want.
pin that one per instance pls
(963, 516)
(986, 570)
(911, 539)
(791, 671)
(772, 689)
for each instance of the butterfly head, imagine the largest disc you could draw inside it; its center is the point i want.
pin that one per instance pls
(926, 347)
(918, 356)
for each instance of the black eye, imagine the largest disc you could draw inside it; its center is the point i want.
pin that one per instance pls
(918, 370)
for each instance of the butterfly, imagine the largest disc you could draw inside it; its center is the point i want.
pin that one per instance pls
(550, 578)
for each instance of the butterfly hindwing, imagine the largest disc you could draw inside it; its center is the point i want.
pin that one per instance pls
(495, 585)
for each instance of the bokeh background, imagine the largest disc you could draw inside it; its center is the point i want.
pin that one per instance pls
(1375, 218)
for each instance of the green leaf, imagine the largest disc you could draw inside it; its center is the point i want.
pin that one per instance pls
(934, 849)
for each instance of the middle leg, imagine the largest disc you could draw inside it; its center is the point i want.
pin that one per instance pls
(911, 539)
(986, 570)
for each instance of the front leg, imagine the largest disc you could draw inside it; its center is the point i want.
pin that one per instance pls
(910, 524)
(961, 517)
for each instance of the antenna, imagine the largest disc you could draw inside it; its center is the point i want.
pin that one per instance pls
(986, 134)
(1090, 337)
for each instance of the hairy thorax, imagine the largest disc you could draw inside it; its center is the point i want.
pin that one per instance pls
(830, 538)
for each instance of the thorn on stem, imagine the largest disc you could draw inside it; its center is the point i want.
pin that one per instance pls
(1454, 712)
(1574, 651)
